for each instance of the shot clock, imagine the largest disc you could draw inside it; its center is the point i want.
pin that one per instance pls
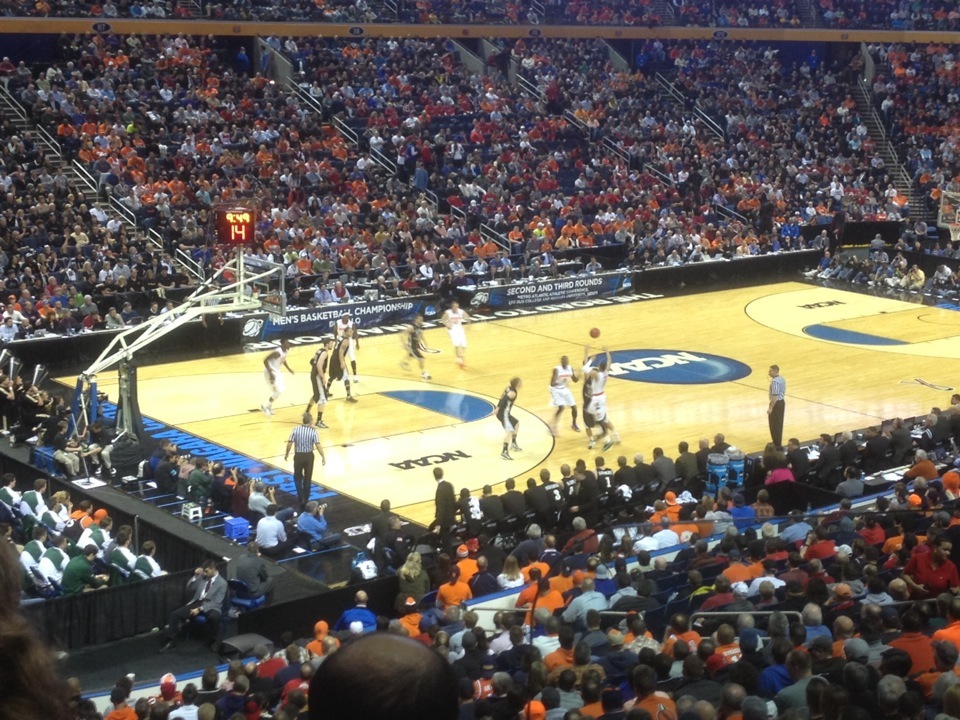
(234, 226)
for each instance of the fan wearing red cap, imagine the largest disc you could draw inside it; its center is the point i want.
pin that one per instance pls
(168, 689)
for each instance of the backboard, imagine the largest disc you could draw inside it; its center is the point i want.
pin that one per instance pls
(949, 215)
(269, 287)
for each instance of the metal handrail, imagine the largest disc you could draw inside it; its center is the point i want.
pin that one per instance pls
(616, 57)
(615, 148)
(539, 10)
(383, 161)
(731, 213)
(720, 613)
(707, 120)
(41, 134)
(659, 174)
(529, 86)
(491, 233)
(302, 94)
(888, 146)
(190, 265)
(345, 130)
(664, 82)
(572, 118)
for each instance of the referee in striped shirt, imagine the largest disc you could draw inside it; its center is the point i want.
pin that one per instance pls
(778, 391)
(303, 439)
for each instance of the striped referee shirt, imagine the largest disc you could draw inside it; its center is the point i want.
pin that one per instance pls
(304, 438)
(778, 387)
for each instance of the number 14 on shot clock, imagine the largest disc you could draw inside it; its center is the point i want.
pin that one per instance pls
(234, 226)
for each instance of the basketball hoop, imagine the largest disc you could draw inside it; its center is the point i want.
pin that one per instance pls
(949, 215)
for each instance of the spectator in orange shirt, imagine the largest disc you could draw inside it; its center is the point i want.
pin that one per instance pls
(543, 567)
(527, 595)
(945, 660)
(658, 704)
(738, 571)
(913, 642)
(922, 467)
(952, 631)
(727, 645)
(467, 565)
(679, 631)
(454, 592)
(547, 598)
(563, 655)
(564, 581)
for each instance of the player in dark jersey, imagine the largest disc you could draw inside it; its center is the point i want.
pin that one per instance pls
(413, 344)
(589, 422)
(554, 493)
(318, 371)
(509, 422)
(339, 362)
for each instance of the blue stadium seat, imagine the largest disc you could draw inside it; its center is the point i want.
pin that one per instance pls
(242, 598)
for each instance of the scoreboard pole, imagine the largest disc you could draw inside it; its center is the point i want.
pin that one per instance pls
(234, 227)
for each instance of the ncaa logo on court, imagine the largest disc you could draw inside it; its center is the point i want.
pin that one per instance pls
(675, 367)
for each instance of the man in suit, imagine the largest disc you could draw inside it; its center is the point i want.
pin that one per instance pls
(491, 505)
(208, 591)
(643, 471)
(446, 502)
(828, 462)
(663, 466)
(252, 570)
(513, 500)
(849, 452)
(797, 459)
(900, 442)
(875, 453)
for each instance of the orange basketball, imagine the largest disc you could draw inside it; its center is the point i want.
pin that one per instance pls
(595, 333)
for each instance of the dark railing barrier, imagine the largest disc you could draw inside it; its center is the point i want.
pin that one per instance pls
(83, 348)
(787, 496)
(861, 233)
(299, 616)
(722, 274)
(114, 613)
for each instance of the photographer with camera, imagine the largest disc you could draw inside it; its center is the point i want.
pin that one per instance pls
(313, 524)
(262, 496)
(167, 472)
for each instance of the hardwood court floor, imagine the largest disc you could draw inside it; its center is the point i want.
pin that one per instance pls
(850, 360)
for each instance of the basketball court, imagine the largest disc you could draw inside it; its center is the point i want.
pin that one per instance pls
(683, 368)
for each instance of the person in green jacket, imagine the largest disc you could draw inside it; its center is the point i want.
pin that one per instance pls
(78, 575)
(200, 482)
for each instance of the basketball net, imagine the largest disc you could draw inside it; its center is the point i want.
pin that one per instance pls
(949, 215)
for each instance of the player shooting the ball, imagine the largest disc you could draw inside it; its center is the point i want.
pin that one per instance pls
(596, 379)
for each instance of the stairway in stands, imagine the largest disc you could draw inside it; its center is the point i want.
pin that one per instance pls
(80, 179)
(189, 8)
(14, 113)
(888, 151)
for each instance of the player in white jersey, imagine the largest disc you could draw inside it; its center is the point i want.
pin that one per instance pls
(343, 324)
(598, 402)
(272, 365)
(560, 395)
(453, 319)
